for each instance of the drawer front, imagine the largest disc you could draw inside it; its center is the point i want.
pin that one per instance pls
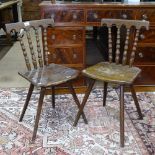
(68, 55)
(145, 55)
(147, 36)
(146, 77)
(146, 14)
(97, 15)
(64, 15)
(63, 36)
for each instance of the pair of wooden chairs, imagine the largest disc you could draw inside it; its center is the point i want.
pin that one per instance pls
(46, 75)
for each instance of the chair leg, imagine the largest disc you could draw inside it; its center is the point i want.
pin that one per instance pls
(40, 103)
(70, 86)
(136, 101)
(53, 96)
(26, 102)
(91, 84)
(105, 93)
(122, 115)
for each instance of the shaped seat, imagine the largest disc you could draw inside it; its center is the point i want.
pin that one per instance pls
(111, 72)
(122, 38)
(32, 36)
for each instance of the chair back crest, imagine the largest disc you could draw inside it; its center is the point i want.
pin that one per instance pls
(126, 39)
(40, 42)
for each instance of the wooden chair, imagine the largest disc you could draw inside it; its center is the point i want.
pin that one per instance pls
(119, 69)
(42, 74)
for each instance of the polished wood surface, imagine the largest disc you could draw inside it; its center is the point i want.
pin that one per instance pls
(82, 14)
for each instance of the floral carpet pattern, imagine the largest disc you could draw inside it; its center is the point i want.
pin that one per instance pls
(56, 134)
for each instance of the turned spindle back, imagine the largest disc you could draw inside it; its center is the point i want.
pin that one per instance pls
(124, 40)
(34, 35)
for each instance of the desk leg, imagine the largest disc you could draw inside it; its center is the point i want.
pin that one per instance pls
(15, 13)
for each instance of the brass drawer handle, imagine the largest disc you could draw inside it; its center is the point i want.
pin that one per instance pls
(54, 56)
(142, 36)
(141, 55)
(74, 56)
(95, 15)
(74, 16)
(144, 16)
(74, 36)
(53, 37)
(124, 16)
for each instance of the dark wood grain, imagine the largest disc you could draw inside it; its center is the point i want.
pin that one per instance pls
(91, 14)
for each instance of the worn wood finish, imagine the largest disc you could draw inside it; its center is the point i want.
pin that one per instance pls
(40, 73)
(118, 71)
(136, 101)
(26, 102)
(127, 24)
(53, 96)
(105, 93)
(76, 100)
(20, 27)
(87, 93)
(91, 15)
(39, 108)
(122, 115)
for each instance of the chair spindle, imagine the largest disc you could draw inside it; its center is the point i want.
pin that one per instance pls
(38, 48)
(34, 61)
(28, 65)
(110, 44)
(132, 57)
(45, 45)
(117, 58)
(126, 46)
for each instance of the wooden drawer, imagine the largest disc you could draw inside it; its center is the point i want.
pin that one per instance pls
(64, 36)
(147, 36)
(146, 77)
(145, 55)
(146, 14)
(66, 55)
(30, 15)
(70, 15)
(97, 15)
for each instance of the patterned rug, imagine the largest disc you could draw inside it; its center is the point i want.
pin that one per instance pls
(57, 136)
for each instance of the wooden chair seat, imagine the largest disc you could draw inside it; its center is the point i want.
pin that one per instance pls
(51, 75)
(111, 72)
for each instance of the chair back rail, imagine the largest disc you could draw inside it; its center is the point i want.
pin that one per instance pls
(130, 40)
(22, 28)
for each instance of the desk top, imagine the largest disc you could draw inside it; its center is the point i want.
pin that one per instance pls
(97, 4)
(9, 3)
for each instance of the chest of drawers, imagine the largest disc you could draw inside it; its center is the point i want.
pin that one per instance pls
(67, 40)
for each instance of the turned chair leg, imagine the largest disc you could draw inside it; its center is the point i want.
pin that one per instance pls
(136, 101)
(122, 116)
(40, 103)
(91, 84)
(53, 96)
(76, 100)
(26, 102)
(105, 93)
